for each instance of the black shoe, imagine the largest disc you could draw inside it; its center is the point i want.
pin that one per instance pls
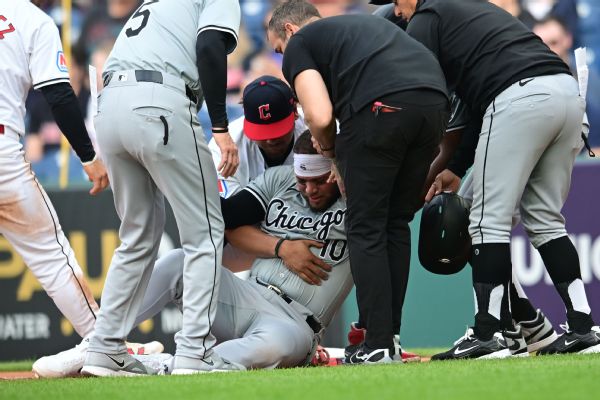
(351, 349)
(571, 342)
(470, 346)
(365, 355)
(516, 343)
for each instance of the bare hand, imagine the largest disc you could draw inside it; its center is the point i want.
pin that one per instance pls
(229, 154)
(445, 181)
(296, 255)
(97, 174)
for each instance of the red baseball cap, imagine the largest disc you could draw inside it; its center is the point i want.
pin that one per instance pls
(268, 108)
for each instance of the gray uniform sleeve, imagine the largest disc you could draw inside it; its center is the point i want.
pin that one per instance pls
(273, 181)
(221, 15)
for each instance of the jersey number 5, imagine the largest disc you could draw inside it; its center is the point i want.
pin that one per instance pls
(10, 28)
(145, 14)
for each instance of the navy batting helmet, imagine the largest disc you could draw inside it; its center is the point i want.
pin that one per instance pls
(444, 241)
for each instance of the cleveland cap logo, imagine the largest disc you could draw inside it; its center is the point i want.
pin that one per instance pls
(263, 112)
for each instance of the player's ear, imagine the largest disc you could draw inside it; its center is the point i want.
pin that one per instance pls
(290, 28)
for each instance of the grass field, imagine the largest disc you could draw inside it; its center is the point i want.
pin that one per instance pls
(557, 377)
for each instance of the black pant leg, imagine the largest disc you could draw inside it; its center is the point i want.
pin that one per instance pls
(407, 200)
(371, 152)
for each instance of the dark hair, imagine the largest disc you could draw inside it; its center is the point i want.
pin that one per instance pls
(554, 18)
(296, 12)
(304, 145)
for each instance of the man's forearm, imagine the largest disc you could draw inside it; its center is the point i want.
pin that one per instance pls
(252, 240)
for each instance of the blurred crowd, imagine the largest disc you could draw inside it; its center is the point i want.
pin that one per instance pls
(563, 25)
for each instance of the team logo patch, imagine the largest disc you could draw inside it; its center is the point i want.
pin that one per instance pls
(61, 62)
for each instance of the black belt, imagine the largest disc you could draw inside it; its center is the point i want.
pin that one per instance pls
(142, 75)
(310, 320)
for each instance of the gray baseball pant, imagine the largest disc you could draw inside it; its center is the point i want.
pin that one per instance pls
(253, 325)
(530, 137)
(153, 146)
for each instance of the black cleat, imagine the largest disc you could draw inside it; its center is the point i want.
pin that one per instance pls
(571, 342)
(501, 345)
(365, 355)
(351, 349)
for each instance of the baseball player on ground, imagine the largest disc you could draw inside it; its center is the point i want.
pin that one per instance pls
(530, 111)
(264, 138)
(32, 56)
(275, 318)
(300, 278)
(154, 148)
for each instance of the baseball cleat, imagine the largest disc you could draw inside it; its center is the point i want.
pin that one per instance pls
(69, 362)
(66, 363)
(212, 363)
(356, 336)
(367, 356)
(501, 345)
(572, 342)
(145, 348)
(538, 333)
(124, 364)
(515, 342)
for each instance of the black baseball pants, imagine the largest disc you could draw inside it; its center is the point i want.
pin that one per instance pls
(384, 156)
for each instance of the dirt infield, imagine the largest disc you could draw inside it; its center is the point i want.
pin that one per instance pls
(8, 376)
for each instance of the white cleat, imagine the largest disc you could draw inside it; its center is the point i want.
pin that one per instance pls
(69, 362)
(66, 363)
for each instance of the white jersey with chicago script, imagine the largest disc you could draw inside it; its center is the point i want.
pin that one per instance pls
(30, 55)
(161, 36)
(288, 215)
(252, 162)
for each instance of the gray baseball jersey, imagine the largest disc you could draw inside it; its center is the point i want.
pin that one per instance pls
(161, 36)
(288, 215)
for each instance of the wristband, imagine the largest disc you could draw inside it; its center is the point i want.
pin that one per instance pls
(86, 163)
(220, 130)
(278, 245)
(326, 149)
